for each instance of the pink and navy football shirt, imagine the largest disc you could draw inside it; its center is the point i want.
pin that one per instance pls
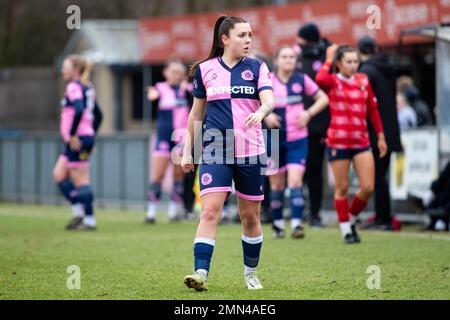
(289, 103)
(76, 91)
(231, 95)
(172, 115)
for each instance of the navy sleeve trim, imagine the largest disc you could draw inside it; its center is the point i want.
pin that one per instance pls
(265, 88)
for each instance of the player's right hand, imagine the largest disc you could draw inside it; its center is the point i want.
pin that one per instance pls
(331, 51)
(187, 164)
(152, 93)
(75, 143)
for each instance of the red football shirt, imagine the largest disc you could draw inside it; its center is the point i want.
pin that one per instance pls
(351, 100)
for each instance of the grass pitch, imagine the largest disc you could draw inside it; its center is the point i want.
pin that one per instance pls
(125, 259)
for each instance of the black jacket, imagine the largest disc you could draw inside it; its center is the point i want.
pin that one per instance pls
(382, 77)
(310, 61)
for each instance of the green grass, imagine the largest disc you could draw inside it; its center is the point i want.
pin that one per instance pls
(125, 259)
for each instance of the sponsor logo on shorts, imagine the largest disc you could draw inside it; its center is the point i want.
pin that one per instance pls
(206, 179)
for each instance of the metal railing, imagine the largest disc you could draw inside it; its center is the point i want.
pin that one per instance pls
(119, 169)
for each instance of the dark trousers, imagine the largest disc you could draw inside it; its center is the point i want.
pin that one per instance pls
(314, 173)
(441, 188)
(382, 197)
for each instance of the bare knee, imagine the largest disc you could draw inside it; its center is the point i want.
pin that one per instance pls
(367, 189)
(341, 189)
(80, 177)
(250, 218)
(158, 177)
(59, 175)
(211, 213)
(295, 183)
(277, 187)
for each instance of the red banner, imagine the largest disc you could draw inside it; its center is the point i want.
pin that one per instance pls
(190, 37)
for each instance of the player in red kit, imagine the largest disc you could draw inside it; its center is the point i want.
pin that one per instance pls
(351, 101)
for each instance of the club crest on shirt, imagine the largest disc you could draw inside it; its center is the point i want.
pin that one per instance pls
(296, 88)
(247, 75)
(214, 76)
(206, 179)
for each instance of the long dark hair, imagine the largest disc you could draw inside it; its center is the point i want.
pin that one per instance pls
(222, 27)
(340, 52)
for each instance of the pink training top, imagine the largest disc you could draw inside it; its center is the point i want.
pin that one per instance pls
(76, 92)
(289, 102)
(231, 95)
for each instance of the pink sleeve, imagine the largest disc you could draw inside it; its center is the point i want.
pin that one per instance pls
(159, 87)
(264, 81)
(311, 87)
(74, 91)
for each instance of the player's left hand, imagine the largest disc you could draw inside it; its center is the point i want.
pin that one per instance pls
(253, 119)
(75, 143)
(382, 147)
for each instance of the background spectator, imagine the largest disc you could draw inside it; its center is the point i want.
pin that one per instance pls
(312, 53)
(382, 76)
(407, 118)
(424, 115)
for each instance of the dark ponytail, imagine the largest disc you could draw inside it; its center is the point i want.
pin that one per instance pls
(340, 52)
(222, 27)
